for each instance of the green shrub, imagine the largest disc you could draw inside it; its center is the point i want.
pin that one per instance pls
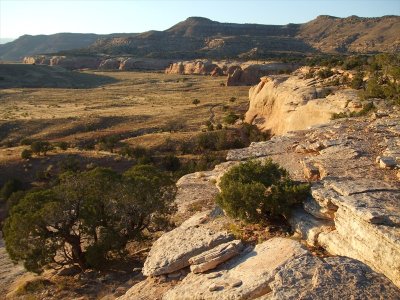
(231, 118)
(357, 82)
(26, 154)
(253, 191)
(196, 101)
(40, 147)
(10, 187)
(324, 73)
(63, 145)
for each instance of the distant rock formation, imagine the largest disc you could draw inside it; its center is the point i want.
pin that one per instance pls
(193, 67)
(76, 62)
(238, 73)
(129, 64)
(250, 74)
(107, 63)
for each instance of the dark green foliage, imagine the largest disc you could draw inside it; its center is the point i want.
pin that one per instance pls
(324, 73)
(10, 187)
(26, 154)
(250, 133)
(26, 142)
(232, 99)
(357, 82)
(196, 101)
(367, 108)
(219, 126)
(231, 118)
(41, 147)
(63, 145)
(253, 191)
(109, 143)
(87, 217)
(70, 163)
(171, 163)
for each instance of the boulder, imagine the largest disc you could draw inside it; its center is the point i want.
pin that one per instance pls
(210, 259)
(173, 250)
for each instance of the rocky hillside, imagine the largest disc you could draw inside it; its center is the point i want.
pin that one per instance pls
(40, 44)
(353, 213)
(352, 34)
(200, 37)
(17, 75)
(203, 38)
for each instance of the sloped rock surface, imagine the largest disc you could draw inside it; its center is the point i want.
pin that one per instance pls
(246, 277)
(172, 251)
(309, 277)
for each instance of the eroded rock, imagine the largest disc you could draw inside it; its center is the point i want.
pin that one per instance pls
(210, 259)
(172, 251)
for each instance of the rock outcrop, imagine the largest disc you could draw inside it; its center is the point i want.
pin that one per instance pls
(355, 209)
(282, 103)
(100, 62)
(251, 74)
(130, 64)
(76, 62)
(110, 64)
(353, 212)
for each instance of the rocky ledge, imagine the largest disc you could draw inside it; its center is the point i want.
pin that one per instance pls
(353, 212)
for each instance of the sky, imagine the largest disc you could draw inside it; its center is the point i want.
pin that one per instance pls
(19, 17)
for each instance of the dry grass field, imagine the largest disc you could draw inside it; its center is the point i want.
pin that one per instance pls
(143, 109)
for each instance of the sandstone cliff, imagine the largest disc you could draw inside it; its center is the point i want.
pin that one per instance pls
(285, 103)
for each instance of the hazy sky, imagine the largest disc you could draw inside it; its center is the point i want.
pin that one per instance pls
(18, 17)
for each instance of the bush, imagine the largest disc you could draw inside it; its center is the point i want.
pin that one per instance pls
(10, 187)
(324, 73)
(231, 118)
(26, 154)
(253, 191)
(196, 101)
(63, 145)
(357, 82)
(109, 143)
(40, 147)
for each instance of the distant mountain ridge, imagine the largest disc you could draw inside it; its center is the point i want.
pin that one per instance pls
(38, 44)
(198, 37)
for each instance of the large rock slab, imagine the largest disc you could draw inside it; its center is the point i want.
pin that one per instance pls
(172, 251)
(246, 277)
(309, 277)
